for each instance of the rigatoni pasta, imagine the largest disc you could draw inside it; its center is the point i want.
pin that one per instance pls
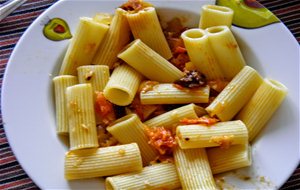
(167, 93)
(223, 160)
(83, 45)
(117, 37)
(262, 105)
(172, 118)
(236, 94)
(226, 50)
(215, 15)
(154, 66)
(129, 129)
(96, 75)
(157, 176)
(82, 123)
(99, 162)
(222, 134)
(145, 26)
(60, 85)
(122, 85)
(196, 42)
(198, 107)
(193, 169)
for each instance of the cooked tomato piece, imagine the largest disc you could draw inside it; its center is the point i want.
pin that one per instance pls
(161, 139)
(104, 108)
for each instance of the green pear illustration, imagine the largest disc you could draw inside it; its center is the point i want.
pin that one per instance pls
(57, 29)
(249, 13)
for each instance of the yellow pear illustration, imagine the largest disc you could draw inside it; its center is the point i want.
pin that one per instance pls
(249, 13)
(57, 29)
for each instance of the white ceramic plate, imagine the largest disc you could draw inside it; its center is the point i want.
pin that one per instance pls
(28, 106)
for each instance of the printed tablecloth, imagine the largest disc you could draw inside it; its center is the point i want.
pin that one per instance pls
(12, 176)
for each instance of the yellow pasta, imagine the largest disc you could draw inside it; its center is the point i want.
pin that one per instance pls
(60, 85)
(223, 160)
(122, 85)
(96, 75)
(129, 129)
(82, 124)
(168, 94)
(157, 176)
(226, 50)
(262, 105)
(98, 162)
(183, 152)
(145, 26)
(201, 54)
(215, 15)
(222, 134)
(172, 118)
(117, 37)
(153, 66)
(236, 94)
(193, 169)
(83, 45)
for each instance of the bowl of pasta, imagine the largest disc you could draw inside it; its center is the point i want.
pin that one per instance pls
(154, 95)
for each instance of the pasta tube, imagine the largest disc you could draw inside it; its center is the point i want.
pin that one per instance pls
(222, 134)
(262, 105)
(169, 94)
(193, 169)
(83, 45)
(172, 118)
(145, 26)
(96, 75)
(223, 160)
(153, 66)
(215, 15)
(226, 50)
(235, 95)
(117, 37)
(122, 85)
(129, 129)
(82, 124)
(98, 162)
(60, 85)
(157, 176)
(201, 54)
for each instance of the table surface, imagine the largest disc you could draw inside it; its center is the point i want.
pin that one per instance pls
(12, 175)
